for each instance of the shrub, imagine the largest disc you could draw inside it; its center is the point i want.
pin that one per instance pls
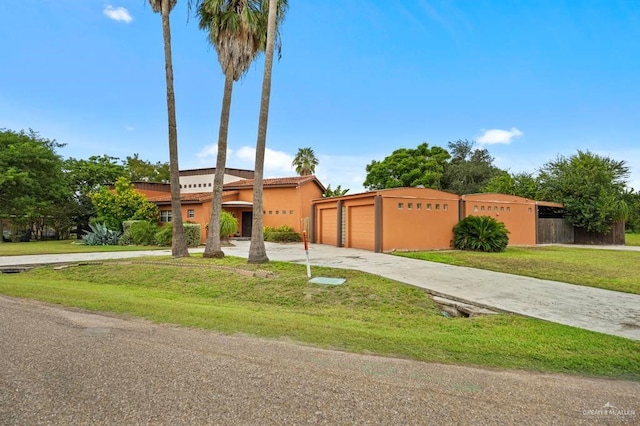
(480, 233)
(100, 235)
(228, 225)
(139, 232)
(281, 234)
(163, 236)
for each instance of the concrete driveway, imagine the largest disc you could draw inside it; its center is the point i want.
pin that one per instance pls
(590, 308)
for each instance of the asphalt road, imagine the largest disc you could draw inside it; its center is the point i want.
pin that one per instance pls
(67, 366)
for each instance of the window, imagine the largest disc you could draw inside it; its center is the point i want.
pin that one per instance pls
(165, 216)
(437, 206)
(481, 208)
(508, 209)
(290, 211)
(191, 213)
(495, 208)
(502, 208)
(277, 211)
(475, 208)
(428, 206)
(419, 206)
(445, 207)
(199, 185)
(284, 212)
(409, 206)
(270, 211)
(209, 183)
(400, 206)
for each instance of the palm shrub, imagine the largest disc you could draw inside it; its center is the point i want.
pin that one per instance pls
(139, 232)
(480, 233)
(100, 235)
(228, 225)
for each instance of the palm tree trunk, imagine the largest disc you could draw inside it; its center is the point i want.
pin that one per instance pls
(178, 243)
(257, 250)
(213, 247)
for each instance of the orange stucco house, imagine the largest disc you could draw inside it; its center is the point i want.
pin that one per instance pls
(286, 201)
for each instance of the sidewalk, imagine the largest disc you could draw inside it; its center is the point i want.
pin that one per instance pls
(590, 308)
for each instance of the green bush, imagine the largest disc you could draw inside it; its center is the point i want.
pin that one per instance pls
(480, 233)
(228, 225)
(100, 235)
(281, 234)
(163, 236)
(139, 232)
(191, 234)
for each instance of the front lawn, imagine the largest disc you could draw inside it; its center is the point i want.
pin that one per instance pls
(368, 314)
(632, 239)
(607, 269)
(61, 247)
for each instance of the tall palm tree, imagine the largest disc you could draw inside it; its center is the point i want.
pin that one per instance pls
(236, 30)
(305, 162)
(257, 251)
(178, 242)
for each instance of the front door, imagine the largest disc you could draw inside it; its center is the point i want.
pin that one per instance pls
(247, 223)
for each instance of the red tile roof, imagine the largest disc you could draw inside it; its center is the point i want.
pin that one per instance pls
(284, 181)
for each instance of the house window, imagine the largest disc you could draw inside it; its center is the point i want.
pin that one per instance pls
(270, 211)
(508, 209)
(495, 209)
(481, 208)
(419, 206)
(277, 211)
(209, 183)
(191, 213)
(409, 206)
(502, 208)
(284, 212)
(475, 208)
(165, 216)
(428, 206)
(437, 206)
(290, 211)
(199, 185)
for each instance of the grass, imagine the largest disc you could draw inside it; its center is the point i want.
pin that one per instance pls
(632, 239)
(368, 314)
(59, 247)
(607, 269)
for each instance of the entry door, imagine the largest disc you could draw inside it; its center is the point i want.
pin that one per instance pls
(247, 223)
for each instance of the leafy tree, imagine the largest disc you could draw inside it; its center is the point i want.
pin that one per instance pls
(590, 186)
(179, 245)
(521, 184)
(31, 181)
(422, 166)
(123, 203)
(275, 12)
(305, 162)
(237, 30)
(139, 170)
(469, 169)
(337, 192)
(633, 201)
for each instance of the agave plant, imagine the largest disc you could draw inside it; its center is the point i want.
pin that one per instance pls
(100, 235)
(480, 233)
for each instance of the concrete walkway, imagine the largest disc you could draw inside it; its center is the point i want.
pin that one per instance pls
(590, 308)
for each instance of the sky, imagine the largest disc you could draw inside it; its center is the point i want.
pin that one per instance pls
(530, 80)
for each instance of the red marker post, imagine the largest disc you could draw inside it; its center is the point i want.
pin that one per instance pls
(306, 249)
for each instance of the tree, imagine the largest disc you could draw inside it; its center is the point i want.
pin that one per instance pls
(139, 170)
(237, 30)
(422, 166)
(633, 201)
(590, 186)
(276, 11)
(123, 203)
(179, 244)
(305, 162)
(32, 180)
(521, 184)
(337, 192)
(469, 169)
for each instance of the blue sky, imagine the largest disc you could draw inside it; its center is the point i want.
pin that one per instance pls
(527, 79)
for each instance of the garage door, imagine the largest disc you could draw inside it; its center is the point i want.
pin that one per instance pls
(328, 226)
(361, 227)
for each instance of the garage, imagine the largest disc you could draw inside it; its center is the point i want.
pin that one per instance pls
(361, 227)
(328, 226)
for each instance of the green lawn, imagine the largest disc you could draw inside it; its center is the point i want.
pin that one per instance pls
(632, 239)
(608, 269)
(368, 314)
(59, 247)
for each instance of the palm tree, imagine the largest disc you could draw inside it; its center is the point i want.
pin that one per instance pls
(178, 242)
(237, 30)
(257, 251)
(305, 162)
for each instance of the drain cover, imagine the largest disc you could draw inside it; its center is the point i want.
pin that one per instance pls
(327, 281)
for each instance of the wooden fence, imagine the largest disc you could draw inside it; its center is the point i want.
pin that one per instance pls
(554, 231)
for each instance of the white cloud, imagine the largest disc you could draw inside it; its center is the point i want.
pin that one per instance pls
(276, 163)
(119, 14)
(129, 128)
(494, 136)
(211, 151)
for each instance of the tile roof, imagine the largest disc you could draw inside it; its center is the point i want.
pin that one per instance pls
(283, 181)
(184, 197)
